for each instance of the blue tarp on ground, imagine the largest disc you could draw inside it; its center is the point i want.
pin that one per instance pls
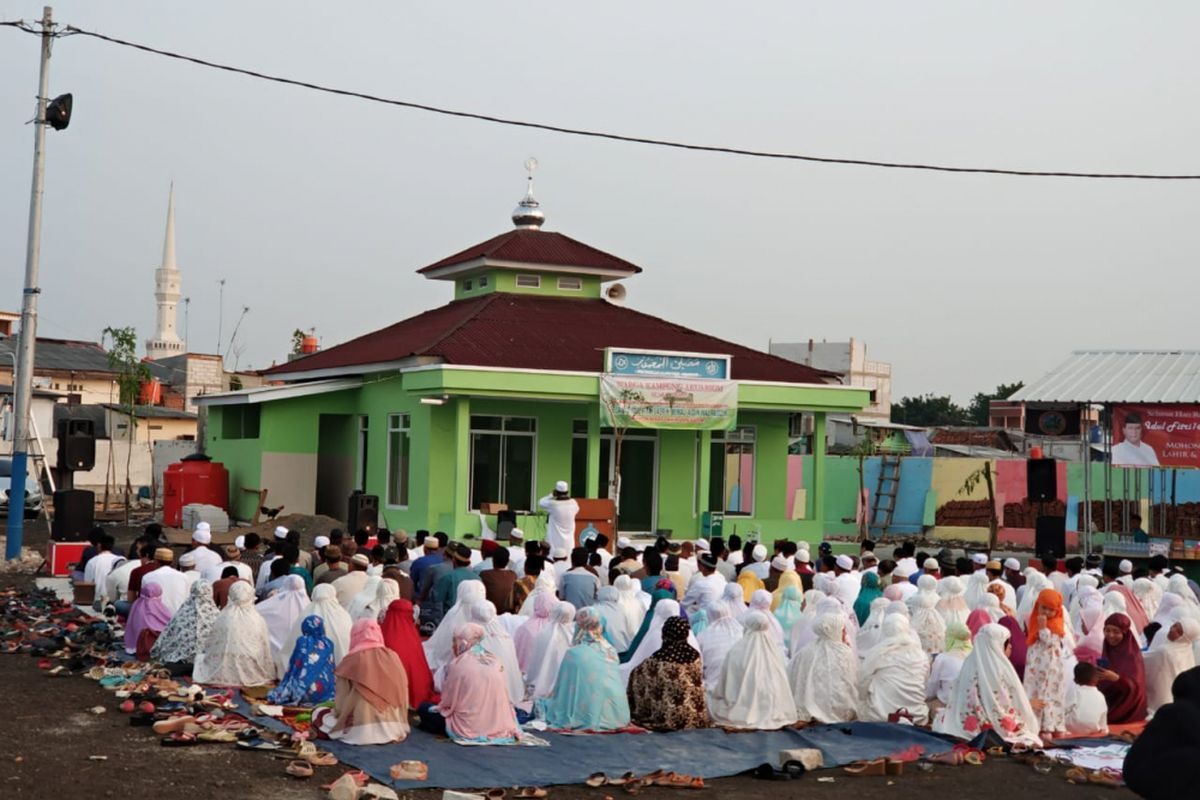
(709, 753)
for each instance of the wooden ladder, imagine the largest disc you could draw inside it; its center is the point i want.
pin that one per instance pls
(883, 508)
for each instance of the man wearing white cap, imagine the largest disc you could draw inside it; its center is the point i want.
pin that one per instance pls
(846, 582)
(759, 566)
(979, 561)
(561, 508)
(516, 552)
(900, 578)
(264, 572)
(201, 539)
(1126, 570)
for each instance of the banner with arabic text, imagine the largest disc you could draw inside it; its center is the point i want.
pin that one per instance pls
(672, 403)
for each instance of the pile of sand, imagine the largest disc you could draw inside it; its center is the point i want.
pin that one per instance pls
(309, 526)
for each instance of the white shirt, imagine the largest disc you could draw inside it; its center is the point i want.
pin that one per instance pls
(759, 568)
(175, 586)
(97, 569)
(116, 586)
(1134, 455)
(516, 559)
(205, 558)
(1087, 711)
(213, 574)
(264, 574)
(696, 590)
(847, 585)
(560, 530)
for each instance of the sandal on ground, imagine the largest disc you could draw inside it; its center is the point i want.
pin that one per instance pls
(1077, 775)
(1105, 777)
(219, 736)
(621, 781)
(894, 767)
(299, 769)
(596, 780)
(410, 771)
(178, 739)
(876, 767)
(494, 794)
(322, 759)
(953, 758)
(635, 785)
(531, 791)
(173, 724)
(258, 744)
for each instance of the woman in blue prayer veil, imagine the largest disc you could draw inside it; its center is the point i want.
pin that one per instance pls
(309, 678)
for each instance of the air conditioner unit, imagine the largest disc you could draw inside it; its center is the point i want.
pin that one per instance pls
(800, 425)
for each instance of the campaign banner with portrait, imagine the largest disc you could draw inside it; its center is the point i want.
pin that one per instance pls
(1156, 436)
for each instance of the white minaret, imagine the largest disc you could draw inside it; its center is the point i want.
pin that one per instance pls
(167, 280)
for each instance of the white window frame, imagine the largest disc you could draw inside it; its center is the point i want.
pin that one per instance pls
(398, 422)
(743, 434)
(503, 432)
(565, 281)
(536, 281)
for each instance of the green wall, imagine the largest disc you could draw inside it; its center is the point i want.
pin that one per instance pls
(505, 280)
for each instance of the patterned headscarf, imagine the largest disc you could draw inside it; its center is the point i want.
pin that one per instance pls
(309, 678)
(184, 635)
(675, 648)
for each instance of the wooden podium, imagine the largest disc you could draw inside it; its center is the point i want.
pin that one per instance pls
(601, 514)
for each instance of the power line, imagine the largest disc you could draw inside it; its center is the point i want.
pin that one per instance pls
(70, 30)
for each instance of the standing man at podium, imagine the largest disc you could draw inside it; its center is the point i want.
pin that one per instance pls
(560, 531)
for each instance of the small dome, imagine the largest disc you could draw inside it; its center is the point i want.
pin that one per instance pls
(528, 213)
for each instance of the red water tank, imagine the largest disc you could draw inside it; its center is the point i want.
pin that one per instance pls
(195, 479)
(150, 392)
(309, 344)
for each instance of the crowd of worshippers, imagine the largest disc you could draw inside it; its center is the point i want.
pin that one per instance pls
(476, 643)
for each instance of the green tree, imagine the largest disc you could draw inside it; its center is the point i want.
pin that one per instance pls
(928, 410)
(980, 403)
(131, 373)
(297, 342)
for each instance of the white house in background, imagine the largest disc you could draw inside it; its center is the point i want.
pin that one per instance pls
(848, 359)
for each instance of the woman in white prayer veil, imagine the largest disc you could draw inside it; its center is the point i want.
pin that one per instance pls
(976, 588)
(1178, 584)
(652, 641)
(991, 604)
(803, 634)
(282, 610)
(324, 604)
(1149, 595)
(497, 642)
(871, 630)
(439, 647)
(1084, 581)
(926, 621)
(1034, 585)
(1170, 653)
(753, 692)
(548, 651)
(952, 605)
(722, 633)
(734, 599)
(545, 584)
(237, 651)
(803, 627)
(893, 675)
(631, 605)
(761, 601)
(989, 693)
(824, 674)
(616, 625)
(387, 591)
(364, 598)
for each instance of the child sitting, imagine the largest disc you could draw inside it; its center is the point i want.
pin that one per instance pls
(1087, 712)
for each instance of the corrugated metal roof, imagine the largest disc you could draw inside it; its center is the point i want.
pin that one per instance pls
(61, 354)
(1119, 376)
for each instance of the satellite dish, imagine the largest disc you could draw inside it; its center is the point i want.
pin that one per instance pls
(616, 294)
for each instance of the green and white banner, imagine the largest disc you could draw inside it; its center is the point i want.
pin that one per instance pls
(628, 401)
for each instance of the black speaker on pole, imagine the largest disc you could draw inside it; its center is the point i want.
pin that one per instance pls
(1041, 480)
(1050, 537)
(364, 513)
(76, 444)
(74, 515)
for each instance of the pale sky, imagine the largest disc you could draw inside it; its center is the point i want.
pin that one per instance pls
(318, 209)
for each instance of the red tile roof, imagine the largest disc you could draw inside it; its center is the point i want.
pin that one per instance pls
(537, 247)
(537, 332)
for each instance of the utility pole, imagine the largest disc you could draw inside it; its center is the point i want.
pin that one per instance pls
(220, 311)
(23, 380)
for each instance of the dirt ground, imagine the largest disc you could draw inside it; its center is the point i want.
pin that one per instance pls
(48, 737)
